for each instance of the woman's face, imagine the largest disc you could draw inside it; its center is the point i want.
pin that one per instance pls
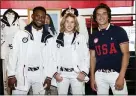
(47, 20)
(69, 24)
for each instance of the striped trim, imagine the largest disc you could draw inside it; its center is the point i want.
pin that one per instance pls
(11, 76)
(91, 49)
(84, 73)
(124, 42)
(30, 34)
(55, 74)
(60, 40)
(46, 37)
(49, 78)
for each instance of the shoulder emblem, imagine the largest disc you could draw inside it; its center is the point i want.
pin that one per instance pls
(25, 39)
(95, 40)
(3, 25)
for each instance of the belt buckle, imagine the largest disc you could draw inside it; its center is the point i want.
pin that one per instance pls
(68, 69)
(105, 70)
(108, 71)
(33, 68)
(112, 70)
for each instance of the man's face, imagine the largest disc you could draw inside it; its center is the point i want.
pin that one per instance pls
(38, 19)
(69, 24)
(102, 16)
(10, 15)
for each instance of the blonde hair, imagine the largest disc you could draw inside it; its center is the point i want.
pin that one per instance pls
(62, 23)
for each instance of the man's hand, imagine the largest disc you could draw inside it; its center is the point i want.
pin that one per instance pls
(81, 77)
(58, 77)
(119, 84)
(12, 82)
(47, 83)
(93, 85)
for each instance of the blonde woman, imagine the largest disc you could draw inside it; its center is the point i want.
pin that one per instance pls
(71, 57)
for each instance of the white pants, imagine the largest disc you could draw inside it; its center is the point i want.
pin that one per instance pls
(106, 80)
(78, 88)
(34, 80)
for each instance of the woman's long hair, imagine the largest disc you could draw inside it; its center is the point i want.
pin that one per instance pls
(62, 23)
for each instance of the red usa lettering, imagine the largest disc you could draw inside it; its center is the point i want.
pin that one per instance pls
(103, 50)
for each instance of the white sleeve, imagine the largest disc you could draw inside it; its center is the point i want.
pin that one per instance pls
(51, 66)
(13, 55)
(85, 56)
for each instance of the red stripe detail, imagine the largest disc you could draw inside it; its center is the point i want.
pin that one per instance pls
(64, 4)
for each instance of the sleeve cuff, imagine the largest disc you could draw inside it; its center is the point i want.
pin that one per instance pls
(48, 78)
(55, 74)
(13, 76)
(84, 73)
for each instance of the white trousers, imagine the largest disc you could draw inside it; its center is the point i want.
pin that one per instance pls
(34, 80)
(78, 88)
(106, 80)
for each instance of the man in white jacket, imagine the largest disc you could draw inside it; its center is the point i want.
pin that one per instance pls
(29, 62)
(10, 24)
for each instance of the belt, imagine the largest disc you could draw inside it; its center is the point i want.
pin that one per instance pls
(106, 70)
(33, 68)
(66, 69)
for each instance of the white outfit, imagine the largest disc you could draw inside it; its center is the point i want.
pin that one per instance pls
(29, 53)
(106, 80)
(7, 35)
(74, 56)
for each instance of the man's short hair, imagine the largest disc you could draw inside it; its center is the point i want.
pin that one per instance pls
(39, 8)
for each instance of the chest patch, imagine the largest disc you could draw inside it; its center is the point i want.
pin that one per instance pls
(95, 40)
(25, 39)
(3, 25)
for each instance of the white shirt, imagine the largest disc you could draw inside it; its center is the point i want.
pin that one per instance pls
(35, 49)
(66, 52)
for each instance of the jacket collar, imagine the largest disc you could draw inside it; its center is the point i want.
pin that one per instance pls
(60, 38)
(45, 33)
(5, 22)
